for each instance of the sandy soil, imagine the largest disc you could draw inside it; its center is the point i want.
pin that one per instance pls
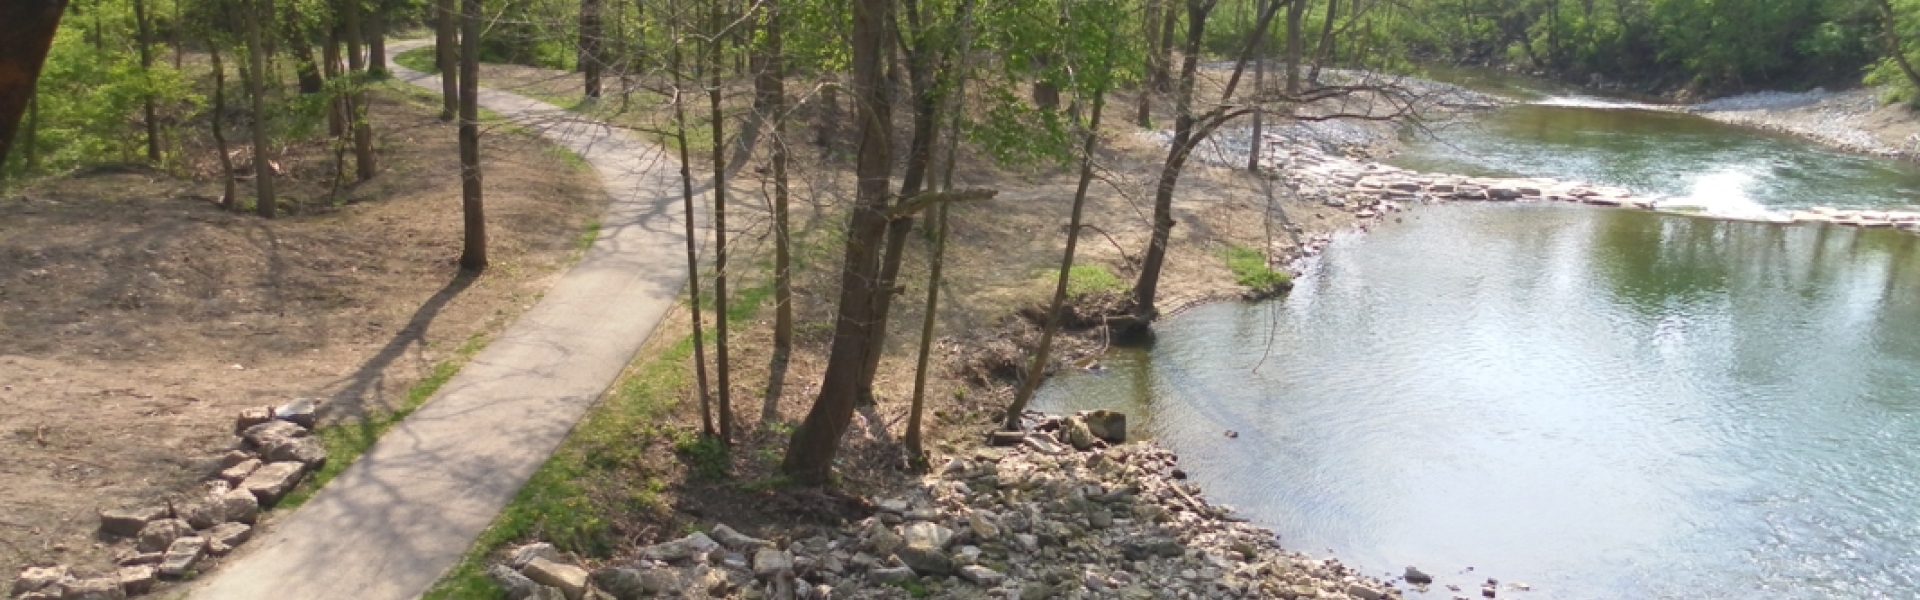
(136, 318)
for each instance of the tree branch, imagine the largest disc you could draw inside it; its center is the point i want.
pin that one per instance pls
(924, 200)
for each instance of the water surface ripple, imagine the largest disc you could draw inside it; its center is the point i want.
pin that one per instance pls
(1601, 403)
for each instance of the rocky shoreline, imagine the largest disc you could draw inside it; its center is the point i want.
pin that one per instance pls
(1842, 120)
(1069, 510)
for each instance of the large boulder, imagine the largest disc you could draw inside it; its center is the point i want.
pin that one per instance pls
(34, 579)
(182, 556)
(570, 579)
(127, 522)
(273, 480)
(1105, 424)
(680, 549)
(159, 535)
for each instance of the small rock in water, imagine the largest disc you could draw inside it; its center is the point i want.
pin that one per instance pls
(1417, 577)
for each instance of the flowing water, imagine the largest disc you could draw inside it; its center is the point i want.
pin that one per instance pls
(1602, 403)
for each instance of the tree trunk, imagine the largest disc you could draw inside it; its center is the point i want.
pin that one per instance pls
(771, 94)
(230, 197)
(829, 115)
(723, 382)
(1151, 27)
(1038, 368)
(257, 94)
(693, 244)
(376, 33)
(1254, 140)
(816, 441)
(336, 105)
(1155, 257)
(305, 68)
(363, 158)
(26, 34)
(589, 46)
(446, 56)
(31, 140)
(1296, 10)
(1325, 53)
(922, 67)
(1894, 48)
(473, 249)
(145, 43)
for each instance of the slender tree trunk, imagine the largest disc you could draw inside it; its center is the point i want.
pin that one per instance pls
(336, 105)
(1145, 288)
(1296, 10)
(363, 157)
(1254, 140)
(693, 243)
(446, 52)
(938, 228)
(829, 115)
(32, 138)
(230, 196)
(1892, 40)
(770, 87)
(922, 69)
(179, 23)
(722, 378)
(1325, 53)
(1151, 27)
(145, 43)
(589, 47)
(376, 33)
(816, 441)
(264, 201)
(1042, 353)
(305, 68)
(473, 249)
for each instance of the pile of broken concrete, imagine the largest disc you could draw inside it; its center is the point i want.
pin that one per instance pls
(1067, 511)
(276, 450)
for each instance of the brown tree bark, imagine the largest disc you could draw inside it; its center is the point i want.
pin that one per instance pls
(376, 34)
(305, 68)
(1296, 10)
(589, 46)
(230, 196)
(255, 75)
(363, 156)
(770, 94)
(816, 441)
(1037, 369)
(336, 105)
(26, 33)
(1325, 52)
(723, 381)
(693, 243)
(145, 44)
(473, 248)
(1150, 25)
(446, 55)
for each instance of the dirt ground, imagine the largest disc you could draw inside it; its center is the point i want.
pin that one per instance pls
(136, 317)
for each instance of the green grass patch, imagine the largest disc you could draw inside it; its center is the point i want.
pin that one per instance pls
(1089, 279)
(1250, 269)
(586, 239)
(346, 441)
(419, 59)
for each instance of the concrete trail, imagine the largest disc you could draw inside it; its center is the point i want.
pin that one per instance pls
(396, 520)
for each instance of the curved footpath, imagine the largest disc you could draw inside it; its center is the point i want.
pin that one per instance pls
(407, 511)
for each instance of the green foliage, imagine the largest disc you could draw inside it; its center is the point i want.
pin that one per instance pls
(1250, 269)
(91, 90)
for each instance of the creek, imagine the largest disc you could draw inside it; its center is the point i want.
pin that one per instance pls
(1602, 403)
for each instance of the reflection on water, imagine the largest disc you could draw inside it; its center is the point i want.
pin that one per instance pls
(1683, 157)
(1602, 403)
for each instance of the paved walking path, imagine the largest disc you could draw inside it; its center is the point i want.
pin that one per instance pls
(392, 523)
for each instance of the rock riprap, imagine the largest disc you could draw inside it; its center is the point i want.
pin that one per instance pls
(276, 450)
(1036, 520)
